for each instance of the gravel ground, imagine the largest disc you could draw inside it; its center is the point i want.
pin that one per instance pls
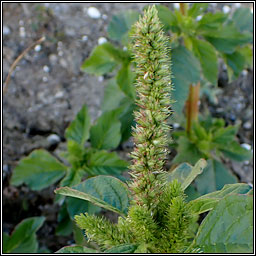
(48, 88)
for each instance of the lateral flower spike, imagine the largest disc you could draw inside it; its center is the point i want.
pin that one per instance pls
(153, 86)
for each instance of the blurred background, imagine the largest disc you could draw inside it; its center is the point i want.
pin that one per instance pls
(48, 88)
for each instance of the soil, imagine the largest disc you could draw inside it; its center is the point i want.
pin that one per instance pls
(48, 88)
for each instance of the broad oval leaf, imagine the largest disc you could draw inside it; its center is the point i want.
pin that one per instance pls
(207, 202)
(106, 133)
(104, 191)
(78, 130)
(185, 173)
(76, 249)
(23, 238)
(38, 170)
(243, 19)
(228, 228)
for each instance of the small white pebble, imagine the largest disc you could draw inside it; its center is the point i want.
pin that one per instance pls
(176, 125)
(53, 58)
(38, 48)
(60, 44)
(176, 5)
(104, 16)
(199, 17)
(60, 53)
(237, 5)
(46, 69)
(246, 146)
(21, 23)
(59, 94)
(102, 40)
(247, 125)
(246, 162)
(101, 79)
(93, 12)
(125, 48)
(84, 38)
(213, 4)
(45, 79)
(244, 72)
(6, 30)
(22, 32)
(226, 9)
(53, 138)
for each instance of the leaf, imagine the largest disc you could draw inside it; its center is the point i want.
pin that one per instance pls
(38, 170)
(186, 173)
(103, 59)
(211, 21)
(227, 38)
(121, 23)
(23, 238)
(207, 202)
(167, 17)
(64, 227)
(214, 177)
(207, 56)
(125, 80)
(182, 59)
(104, 191)
(234, 151)
(228, 228)
(243, 19)
(78, 130)
(225, 135)
(197, 9)
(123, 248)
(187, 152)
(105, 163)
(76, 249)
(112, 96)
(106, 133)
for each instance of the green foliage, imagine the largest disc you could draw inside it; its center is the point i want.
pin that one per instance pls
(23, 238)
(76, 249)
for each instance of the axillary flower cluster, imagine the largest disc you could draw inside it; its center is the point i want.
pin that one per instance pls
(158, 219)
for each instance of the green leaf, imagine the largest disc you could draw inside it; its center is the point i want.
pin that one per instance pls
(228, 228)
(104, 191)
(227, 38)
(167, 17)
(125, 80)
(103, 59)
(186, 173)
(234, 151)
(123, 248)
(113, 95)
(197, 9)
(207, 56)
(38, 170)
(187, 152)
(23, 238)
(105, 163)
(225, 135)
(78, 130)
(121, 23)
(211, 21)
(182, 59)
(106, 133)
(76, 249)
(65, 225)
(207, 202)
(236, 61)
(243, 19)
(214, 177)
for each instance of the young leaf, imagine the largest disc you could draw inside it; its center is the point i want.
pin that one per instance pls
(167, 18)
(243, 19)
(105, 163)
(23, 238)
(121, 23)
(186, 173)
(211, 21)
(207, 202)
(208, 59)
(38, 170)
(76, 249)
(102, 60)
(197, 9)
(225, 135)
(228, 228)
(78, 130)
(214, 177)
(125, 80)
(123, 248)
(104, 191)
(106, 134)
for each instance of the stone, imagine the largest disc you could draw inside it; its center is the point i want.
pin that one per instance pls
(93, 12)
